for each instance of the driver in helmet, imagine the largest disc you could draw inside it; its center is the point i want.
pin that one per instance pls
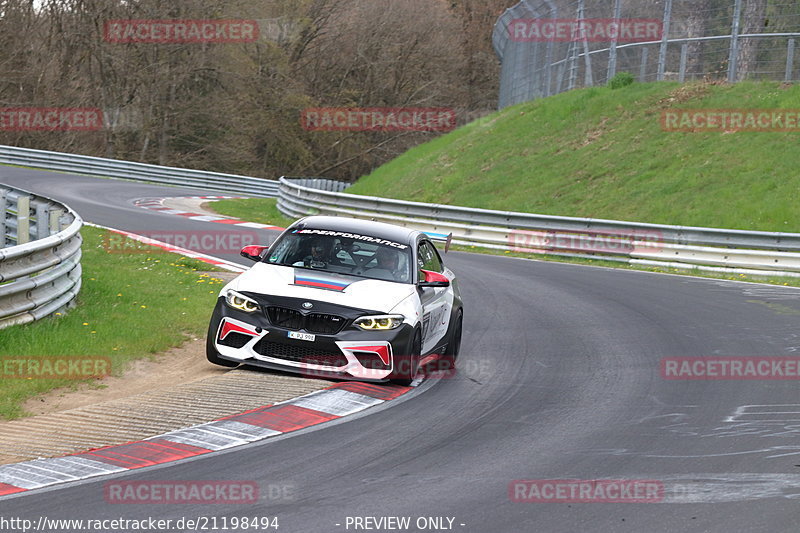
(389, 260)
(319, 256)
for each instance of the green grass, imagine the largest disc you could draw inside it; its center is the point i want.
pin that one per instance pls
(261, 210)
(602, 153)
(131, 305)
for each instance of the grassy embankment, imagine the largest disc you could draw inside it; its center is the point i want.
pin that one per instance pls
(603, 153)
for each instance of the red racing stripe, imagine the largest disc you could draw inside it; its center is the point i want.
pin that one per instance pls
(284, 418)
(144, 453)
(6, 489)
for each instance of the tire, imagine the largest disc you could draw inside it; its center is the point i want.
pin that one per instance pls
(453, 344)
(211, 352)
(406, 374)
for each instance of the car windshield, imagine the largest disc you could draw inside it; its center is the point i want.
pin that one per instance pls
(343, 253)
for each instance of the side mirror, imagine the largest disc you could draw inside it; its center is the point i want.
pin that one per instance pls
(433, 279)
(253, 252)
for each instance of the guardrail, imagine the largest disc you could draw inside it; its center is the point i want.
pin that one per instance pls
(132, 171)
(751, 252)
(40, 253)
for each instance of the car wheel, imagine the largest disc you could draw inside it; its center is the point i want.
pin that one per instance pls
(211, 352)
(453, 344)
(409, 364)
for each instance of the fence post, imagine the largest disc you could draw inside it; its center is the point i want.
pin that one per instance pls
(643, 68)
(588, 80)
(612, 52)
(3, 211)
(548, 58)
(733, 57)
(23, 219)
(662, 53)
(790, 60)
(684, 52)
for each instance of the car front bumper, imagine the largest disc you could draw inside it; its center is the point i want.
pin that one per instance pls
(250, 338)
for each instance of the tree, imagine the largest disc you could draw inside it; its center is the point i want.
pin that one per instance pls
(753, 21)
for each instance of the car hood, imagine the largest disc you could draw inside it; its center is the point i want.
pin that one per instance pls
(372, 294)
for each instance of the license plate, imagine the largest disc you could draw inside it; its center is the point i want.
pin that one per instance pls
(302, 336)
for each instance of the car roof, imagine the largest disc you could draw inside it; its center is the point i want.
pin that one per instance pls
(363, 227)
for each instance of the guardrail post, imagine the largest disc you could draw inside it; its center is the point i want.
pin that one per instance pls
(55, 220)
(790, 60)
(23, 219)
(3, 211)
(42, 220)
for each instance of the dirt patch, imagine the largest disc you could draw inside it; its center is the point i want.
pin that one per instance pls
(686, 93)
(595, 134)
(174, 367)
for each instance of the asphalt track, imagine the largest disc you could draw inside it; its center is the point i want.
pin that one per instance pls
(559, 379)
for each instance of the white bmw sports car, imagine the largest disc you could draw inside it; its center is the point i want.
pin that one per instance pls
(340, 298)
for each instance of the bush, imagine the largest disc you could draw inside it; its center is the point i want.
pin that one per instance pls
(622, 79)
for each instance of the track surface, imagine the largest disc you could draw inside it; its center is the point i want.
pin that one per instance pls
(559, 379)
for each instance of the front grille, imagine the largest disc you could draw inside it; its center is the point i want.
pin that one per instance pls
(235, 340)
(323, 324)
(285, 318)
(300, 354)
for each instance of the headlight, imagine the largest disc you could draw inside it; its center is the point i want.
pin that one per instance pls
(381, 322)
(241, 302)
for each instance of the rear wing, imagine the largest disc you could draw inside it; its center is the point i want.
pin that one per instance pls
(446, 238)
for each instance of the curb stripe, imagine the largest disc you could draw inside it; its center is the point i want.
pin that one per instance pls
(381, 392)
(6, 489)
(338, 400)
(227, 265)
(157, 204)
(145, 453)
(285, 418)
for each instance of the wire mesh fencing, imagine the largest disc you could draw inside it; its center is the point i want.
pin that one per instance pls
(550, 46)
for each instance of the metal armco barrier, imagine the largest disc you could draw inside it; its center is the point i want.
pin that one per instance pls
(710, 249)
(40, 270)
(129, 170)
